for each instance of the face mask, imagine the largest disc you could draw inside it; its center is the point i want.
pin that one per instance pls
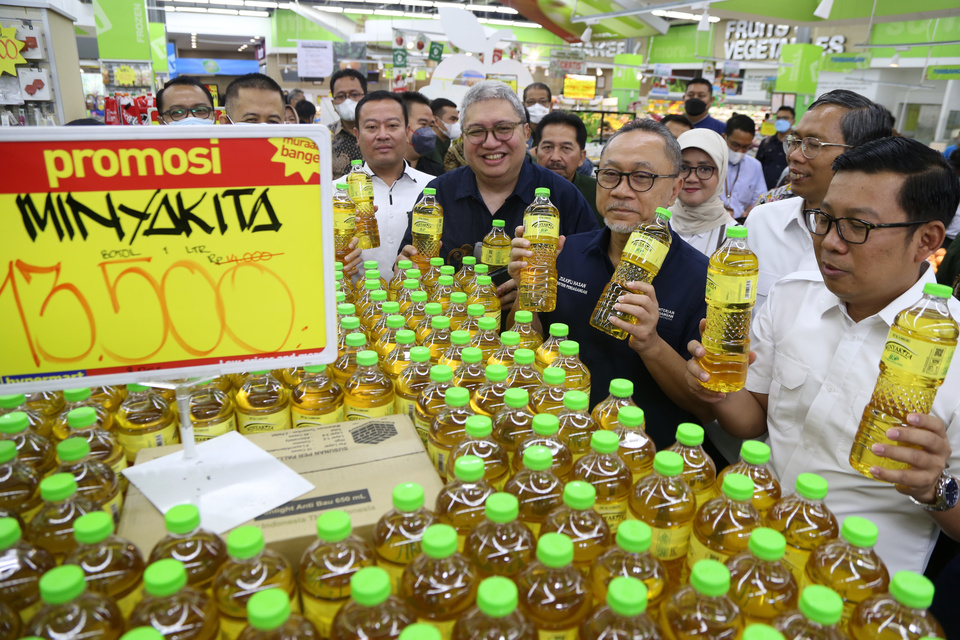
(735, 156)
(190, 121)
(453, 130)
(782, 126)
(424, 140)
(537, 112)
(695, 107)
(347, 110)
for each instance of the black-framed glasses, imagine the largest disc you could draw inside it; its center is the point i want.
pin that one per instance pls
(179, 113)
(639, 181)
(356, 96)
(809, 147)
(502, 131)
(851, 230)
(704, 171)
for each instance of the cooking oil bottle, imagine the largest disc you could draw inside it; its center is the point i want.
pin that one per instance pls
(460, 502)
(10, 623)
(405, 297)
(348, 325)
(731, 293)
(263, 404)
(479, 443)
(399, 357)
(722, 526)
(486, 294)
(19, 484)
(169, 605)
(317, 400)
(271, 618)
(70, 612)
(490, 398)
(398, 535)
(96, 481)
(388, 308)
(426, 227)
(111, 566)
(578, 376)
(33, 450)
(438, 340)
(536, 487)
(363, 300)
(611, 477)
(459, 340)
(346, 363)
(448, 428)
(576, 425)
(372, 313)
(849, 565)
(523, 325)
(549, 349)
(344, 221)
(761, 583)
(109, 397)
(450, 270)
(212, 412)
(411, 382)
(457, 311)
(52, 527)
(368, 393)
(902, 613)
(577, 520)
(625, 614)
(500, 545)
(249, 568)
(432, 399)
(541, 228)
(47, 403)
(467, 272)
(914, 363)
(621, 395)
(202, 552)
(145, 420)
(522, 374)
(75, 399)
(640, 261)
(470, 374)
(431, 310)
(545, 427)
(496, 616)
(371, 612)
(471, 323)
(664, 502)
(761, 632)
(754, 456)
(548, 397)
(817, 618)
(486, 339)
(442, 291)
(514, 422)
(636, 448)
(24, 564)
(327, 566)
(702, 608)
(387, 339)
(804, 520)
(495, 248)
(396, 282)
(631, 558)
(699, 471)
(430, 275)
(554, 594)
(360, 188)
(39, 422)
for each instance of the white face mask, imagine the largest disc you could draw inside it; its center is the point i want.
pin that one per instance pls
(347, 110)
(537, 112)
(190, 121)
(452, 129)
(735, 156)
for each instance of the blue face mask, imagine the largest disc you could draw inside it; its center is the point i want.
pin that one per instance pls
(782, 126)
(424, 140)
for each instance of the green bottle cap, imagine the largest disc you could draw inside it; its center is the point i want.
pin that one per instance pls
(440, 541)
(554, 376)
(516, 398)
(76, 395)
(579, 495)
(937, 290)
(664, 213)
(495, 372)
(736, 232)
(447, 270)
(559, 330)
(429, 191)
(621, 388)
(524, 356)
(420, 354)
(436, 262)
(338, 266)
(433, 308)
(8, 451)
(408, 497)
(350, 322)
(265, 372)
(164, 577)
(370, 265)
(456, 397)
(469, 261)
(12, 401)
(555, 550)
(545, 424)
(315, 368)
(468, 468)
(420, 631)
(460, 337)
(479, 426)
(81, 417)
(523, 317)
(912, 590)
(367, 358)
(341, 296)
(445, 280)
(440, 322)
(630, 417)
(760, 631)
(441, 373)
(334, 526)
(497, 597)
(356, 340)
(390, 308)
(569, 347)
(767, 544)
(419, 296)
(821, 604)
(858, 531)
(268, 610)
(500, 507)
(93, 527)
(499, 223)
(481, 269)
(487, 324)
(668, 463)
(634, 536)
(59, 486)
(811, 486)
(510, 338)
(182, 519)
(133, 387)
(405, 337)
(411, 284)
(710, 578)
(605, 441)
(370, 586)
(471, 355)
(689, 434)
(371, 285)
(14, 422)
(737, 487)
(627, 596)
(475, 310)
(378, 296)
(10, 531)
(62, 584)
(458, 297)
(356, 163)
(755, 452)
(405, 264)
(542, 191)
(537, 458)
(245, 542)
(73, 449)
(575, 400)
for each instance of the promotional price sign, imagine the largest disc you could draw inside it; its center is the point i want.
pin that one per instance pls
(577, 87)
(166, 256)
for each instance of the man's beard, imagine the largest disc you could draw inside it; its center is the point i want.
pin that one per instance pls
(619, 227)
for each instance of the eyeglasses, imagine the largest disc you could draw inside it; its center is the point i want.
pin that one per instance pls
(356, 96)
(502, 132)
(704, 171)
(179, 113)
(851, 230)
(809, 147)
(639, 181)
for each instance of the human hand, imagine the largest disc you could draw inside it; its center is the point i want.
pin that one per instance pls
(507, 292)
(642, 305)
(406, 253)
(352, 261)
(927, 451)
(695, 375)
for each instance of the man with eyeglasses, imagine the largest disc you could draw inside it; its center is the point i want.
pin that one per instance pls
(185, 101)
(254, 99)
(744, 183)
(638, 172)
(347, 88)
(835, 122)
(820, 338)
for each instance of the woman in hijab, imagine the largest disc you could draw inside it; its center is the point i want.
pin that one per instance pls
(699, 216)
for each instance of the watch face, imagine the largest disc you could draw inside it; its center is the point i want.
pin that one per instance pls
(951, 492)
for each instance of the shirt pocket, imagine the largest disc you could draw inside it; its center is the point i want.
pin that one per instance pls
(765, 280)
(786, 391)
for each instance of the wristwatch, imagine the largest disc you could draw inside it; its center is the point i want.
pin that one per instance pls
(946, 496)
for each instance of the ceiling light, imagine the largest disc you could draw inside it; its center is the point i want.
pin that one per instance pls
(895, 60)
(328, 9)
(704, 24)
(362, 12)
(224, 12)
(191, 10)
(586, 35)
(680, 15)
(254, 14)
(388, 12)
(599, 71)
(824, 9)
(260, 3)
(253, 39)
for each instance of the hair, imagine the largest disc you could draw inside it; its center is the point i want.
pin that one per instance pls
(864, 120)
(414, 97)
(293, 93)
(83, 122)
(305, 111)
(564, 118)
(740, 122)
(674, 117)
(701, 80)
(184, 80)
(670, 144)
(250, 81)
(348, 73)
(493, 90)
(954, 159)
(437, 105)
(930, 189)
(376, 96)
(786, 107)
(537, 85)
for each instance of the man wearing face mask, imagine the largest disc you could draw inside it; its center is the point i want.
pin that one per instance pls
(347, 87)
(538, 99)
(696, 105)
(446, 124)
(770, 155)
(421, 137)
(744, 174)
(185, 101)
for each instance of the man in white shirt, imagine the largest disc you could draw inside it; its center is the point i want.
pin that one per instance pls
(381, 133)
(835, 122)
(820, 338)
(745, 182)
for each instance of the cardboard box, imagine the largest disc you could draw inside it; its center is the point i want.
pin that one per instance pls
(352, 465)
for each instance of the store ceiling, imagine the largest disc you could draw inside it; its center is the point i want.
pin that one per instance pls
(184, 43)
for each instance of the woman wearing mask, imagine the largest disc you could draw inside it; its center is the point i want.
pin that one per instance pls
(699, 216)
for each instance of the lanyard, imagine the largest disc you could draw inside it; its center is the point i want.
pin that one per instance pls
(729, 187)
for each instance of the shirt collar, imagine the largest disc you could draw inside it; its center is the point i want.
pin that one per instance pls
(406, 172)
(524, 189)
(828, 301)
(797, 215)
